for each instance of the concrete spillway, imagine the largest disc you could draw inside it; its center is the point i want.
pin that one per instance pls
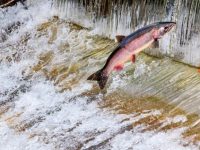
(46, 102)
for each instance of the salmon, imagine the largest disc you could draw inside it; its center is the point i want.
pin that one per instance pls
(129, 46)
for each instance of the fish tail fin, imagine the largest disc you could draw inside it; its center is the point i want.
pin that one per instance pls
(100, 77)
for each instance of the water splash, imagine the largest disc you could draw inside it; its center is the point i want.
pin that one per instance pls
(46, 102)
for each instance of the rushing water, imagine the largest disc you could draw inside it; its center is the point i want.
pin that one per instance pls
(46, 102)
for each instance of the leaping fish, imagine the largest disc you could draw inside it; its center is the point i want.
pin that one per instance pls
(129, 46)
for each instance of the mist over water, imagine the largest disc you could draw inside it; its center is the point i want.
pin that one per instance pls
(47, 103)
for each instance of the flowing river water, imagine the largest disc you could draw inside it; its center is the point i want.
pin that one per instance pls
(47, 103)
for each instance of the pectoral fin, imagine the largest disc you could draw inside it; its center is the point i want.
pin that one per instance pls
(155, 44)
(118, 67)
(119, 38)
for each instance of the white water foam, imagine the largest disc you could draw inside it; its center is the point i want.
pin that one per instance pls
(63, 120)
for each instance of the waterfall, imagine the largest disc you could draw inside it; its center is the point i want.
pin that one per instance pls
(47, 103)
(112, 17)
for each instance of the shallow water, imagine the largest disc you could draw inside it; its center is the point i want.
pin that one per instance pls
(46, 102)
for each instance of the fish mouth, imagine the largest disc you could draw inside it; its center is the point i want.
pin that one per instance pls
(170, 26)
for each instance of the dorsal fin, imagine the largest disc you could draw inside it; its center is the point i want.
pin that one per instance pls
(119, 38)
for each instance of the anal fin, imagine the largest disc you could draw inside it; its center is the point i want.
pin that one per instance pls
(133, 58)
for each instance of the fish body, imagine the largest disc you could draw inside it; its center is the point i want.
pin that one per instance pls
(128, 47)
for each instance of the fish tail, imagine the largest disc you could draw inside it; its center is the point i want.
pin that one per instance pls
(100, 77)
